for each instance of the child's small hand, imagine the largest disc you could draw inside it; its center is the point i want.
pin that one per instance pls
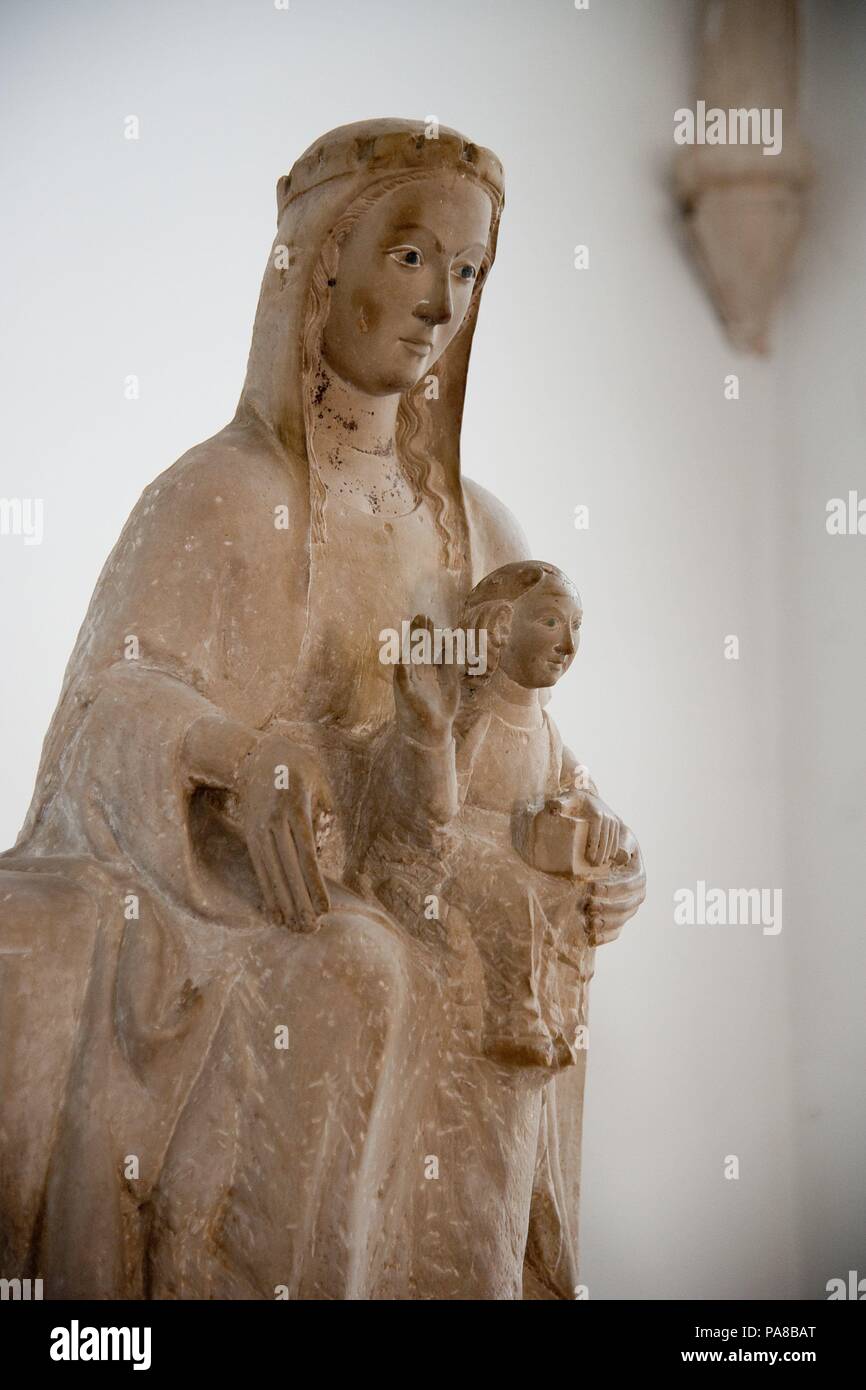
(606, 834)
(426, 696)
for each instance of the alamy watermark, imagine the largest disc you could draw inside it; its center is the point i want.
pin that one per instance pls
(22, 516)
(77, 1343)
(737, 126)
(441, 646)
(846, 517)
(20, 1290)
(729, 907)
(851, 1288)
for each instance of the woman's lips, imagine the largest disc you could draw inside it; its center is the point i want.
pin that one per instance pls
(415, 345)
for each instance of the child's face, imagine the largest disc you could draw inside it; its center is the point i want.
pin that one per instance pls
(545, 634)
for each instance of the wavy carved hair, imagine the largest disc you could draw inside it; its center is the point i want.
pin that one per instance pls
(412, 430)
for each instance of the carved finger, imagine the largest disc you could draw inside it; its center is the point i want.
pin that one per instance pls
(272, 906)
(613, 850)
(620, 912)
(606, 836)
(420, 623)
(614, 839)
(595, 925)
(594, 902)
(286, 907)
(624, 892)
(448, 681)
(304, 841)
(627, 841)
(593, 839)
(602, 836)
(285, 846)
(614, 903)
(427, 682)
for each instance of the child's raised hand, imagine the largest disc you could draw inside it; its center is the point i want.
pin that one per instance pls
(426, 695)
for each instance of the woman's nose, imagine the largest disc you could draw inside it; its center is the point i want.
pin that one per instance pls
(439, 308)
(566, 644)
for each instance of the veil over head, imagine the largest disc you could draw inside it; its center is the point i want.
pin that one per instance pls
(342, 166)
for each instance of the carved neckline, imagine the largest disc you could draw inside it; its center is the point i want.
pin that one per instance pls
(348, 500)
(522, 717)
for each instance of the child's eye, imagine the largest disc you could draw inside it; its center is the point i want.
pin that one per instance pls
(407, 255)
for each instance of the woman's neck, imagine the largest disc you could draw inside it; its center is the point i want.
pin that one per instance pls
(354, 445)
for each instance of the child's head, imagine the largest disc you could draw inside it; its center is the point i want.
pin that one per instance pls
(531, 612)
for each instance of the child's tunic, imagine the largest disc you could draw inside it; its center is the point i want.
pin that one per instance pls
(527, 925)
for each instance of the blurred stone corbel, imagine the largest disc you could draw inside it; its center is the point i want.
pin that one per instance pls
(743, 169)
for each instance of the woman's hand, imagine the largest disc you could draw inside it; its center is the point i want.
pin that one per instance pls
(616, 898)
(426, 696)
(284, 804)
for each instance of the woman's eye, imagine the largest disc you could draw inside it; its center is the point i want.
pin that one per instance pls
(407, 255)
(466, 272)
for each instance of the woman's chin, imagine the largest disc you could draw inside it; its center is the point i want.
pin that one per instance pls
(396, 381)
(410, 368)
(410, 377)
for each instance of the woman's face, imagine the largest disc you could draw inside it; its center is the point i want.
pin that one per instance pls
(544, 636)
(404, 282)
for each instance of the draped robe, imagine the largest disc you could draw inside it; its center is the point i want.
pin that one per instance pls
(155, 1141)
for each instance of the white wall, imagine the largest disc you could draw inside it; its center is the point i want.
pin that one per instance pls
(602, 387)
(821, 455)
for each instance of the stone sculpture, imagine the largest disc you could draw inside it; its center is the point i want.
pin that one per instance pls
(237, 1061)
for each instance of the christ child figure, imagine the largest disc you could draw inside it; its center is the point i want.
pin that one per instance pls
(477, 755)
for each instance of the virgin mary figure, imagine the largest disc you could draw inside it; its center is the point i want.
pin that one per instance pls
(226, 1074)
